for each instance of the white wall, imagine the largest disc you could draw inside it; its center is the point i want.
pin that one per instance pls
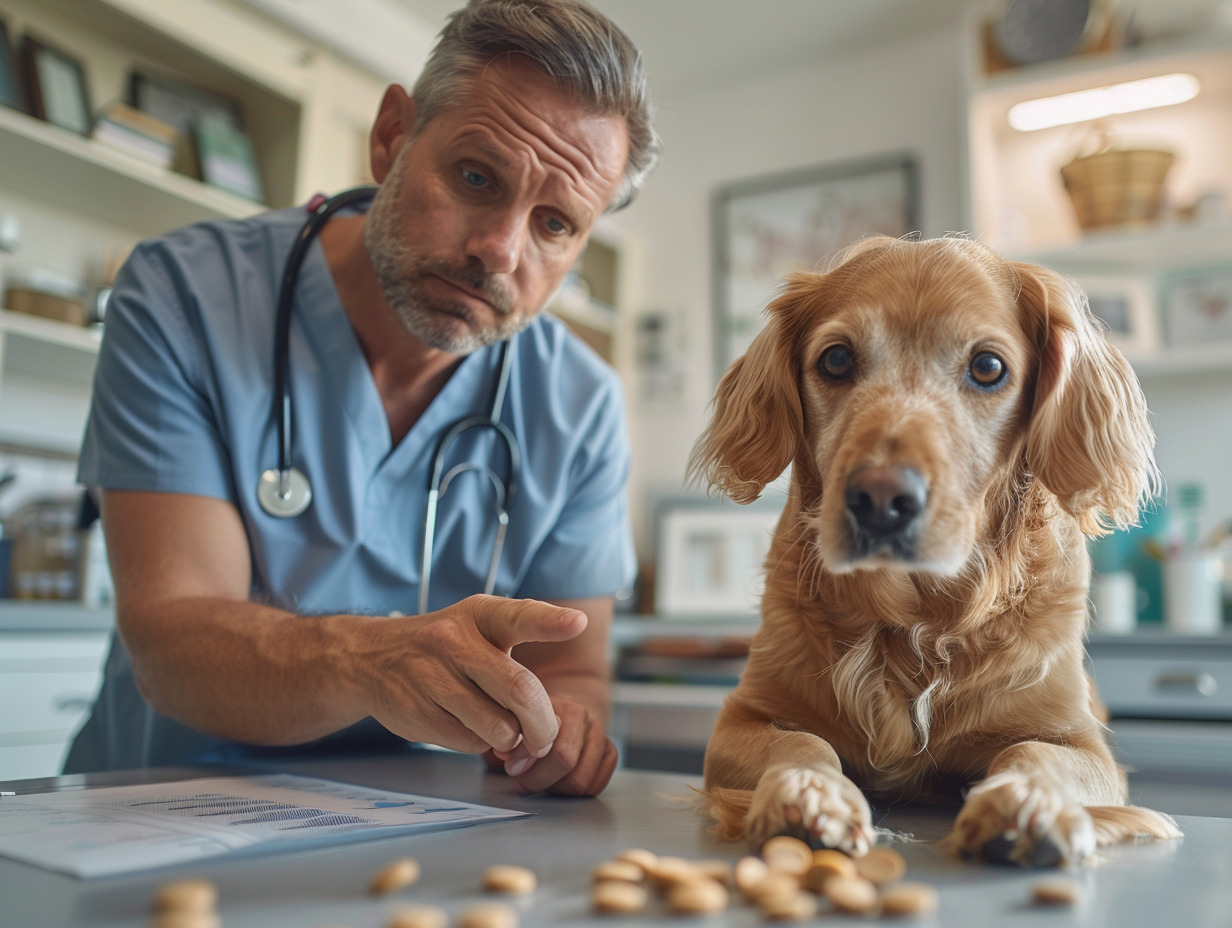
(902, 97)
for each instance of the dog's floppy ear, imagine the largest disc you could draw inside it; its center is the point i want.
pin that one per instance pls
(1090, 439)
(756, 422)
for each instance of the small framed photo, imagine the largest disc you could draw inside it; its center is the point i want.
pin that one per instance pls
(11, 93)
(182, 104)
(1126, 306)
(1199, 307)
(709, 558)
(56, 84)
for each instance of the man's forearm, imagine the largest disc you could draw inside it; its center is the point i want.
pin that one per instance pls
(247, 672)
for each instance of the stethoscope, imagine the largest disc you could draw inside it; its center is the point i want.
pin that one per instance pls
(285, 492)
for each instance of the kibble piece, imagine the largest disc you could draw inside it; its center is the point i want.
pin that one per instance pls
(418, 916)
(909, 899)
(186, 896)
(509, 879)
(718, 870)
(826, 864)
(173, 919)
(618, 896)
(794, 908)
(488, 915)
(1056, 891)
(697, 897)
(787, 854)
(647, 860)
(748, 873)
(881, 865)
(673, 871)
(622, 871)
(775, 884)
(851, 894)
(396, 875)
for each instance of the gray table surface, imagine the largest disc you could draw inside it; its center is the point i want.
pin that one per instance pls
(1186, 882)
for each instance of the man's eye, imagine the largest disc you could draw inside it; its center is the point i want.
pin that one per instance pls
(473, 178)
(555, 226)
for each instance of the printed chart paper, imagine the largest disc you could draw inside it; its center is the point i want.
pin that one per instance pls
(125, 829)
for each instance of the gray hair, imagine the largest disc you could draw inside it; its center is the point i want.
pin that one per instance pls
(580, 49)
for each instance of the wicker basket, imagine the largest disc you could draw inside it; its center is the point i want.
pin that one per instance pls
(1117, 187)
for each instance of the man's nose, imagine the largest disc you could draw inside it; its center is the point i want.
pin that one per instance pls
(497, 241)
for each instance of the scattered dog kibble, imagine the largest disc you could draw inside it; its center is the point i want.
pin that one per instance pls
(827, 864)
(1056, 892)
(618, 871)
(881, 865)
(775, 885)
(418, 916)
(618, 897)
(909, 899)
(647, 860)
(787, 854)
(673, 871)
(186, 896)
(748, 873)
(697, 897)
(397, 874)
(718, 870)
(509, 879)
(793, 908)
(488, 915)
(851, 894)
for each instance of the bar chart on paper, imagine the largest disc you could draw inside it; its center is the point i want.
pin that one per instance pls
(113, 830)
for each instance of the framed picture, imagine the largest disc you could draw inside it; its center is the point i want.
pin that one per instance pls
(768, 227)
(56, 85)
(182, 104)
(1126, 306)
(709, 557)
(11, 93)
(1199, 307)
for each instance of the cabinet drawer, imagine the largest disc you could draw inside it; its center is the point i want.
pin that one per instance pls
(46, 701)
(1165, 687)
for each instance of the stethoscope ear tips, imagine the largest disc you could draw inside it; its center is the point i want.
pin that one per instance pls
(284, 494)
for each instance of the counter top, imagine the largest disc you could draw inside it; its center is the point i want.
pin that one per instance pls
(1178, 882)
(23, 615)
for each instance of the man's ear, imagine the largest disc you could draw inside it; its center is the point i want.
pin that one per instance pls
(394, 121)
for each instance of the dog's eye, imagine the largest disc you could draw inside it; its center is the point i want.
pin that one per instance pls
(837, 361)
(987, 370)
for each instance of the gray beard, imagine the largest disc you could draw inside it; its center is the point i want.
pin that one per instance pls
(400, 274)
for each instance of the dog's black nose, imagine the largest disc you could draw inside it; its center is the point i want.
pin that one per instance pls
(883, 504)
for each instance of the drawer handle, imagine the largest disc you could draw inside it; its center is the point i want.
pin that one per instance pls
(1187, 684)
(73, 703)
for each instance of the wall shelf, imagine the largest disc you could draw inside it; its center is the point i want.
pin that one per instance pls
(91, 178)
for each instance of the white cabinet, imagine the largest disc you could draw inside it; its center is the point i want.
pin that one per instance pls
(48, 682)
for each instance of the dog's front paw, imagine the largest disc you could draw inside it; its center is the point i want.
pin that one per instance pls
(826, 810)
(1012, 818)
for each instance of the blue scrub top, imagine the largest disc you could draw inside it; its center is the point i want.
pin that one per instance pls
(182, 401)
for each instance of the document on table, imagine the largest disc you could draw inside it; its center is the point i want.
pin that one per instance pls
(113, 830)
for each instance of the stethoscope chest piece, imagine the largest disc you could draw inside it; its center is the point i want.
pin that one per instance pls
(284, 494)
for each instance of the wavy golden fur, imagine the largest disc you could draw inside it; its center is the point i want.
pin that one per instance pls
(912, 662)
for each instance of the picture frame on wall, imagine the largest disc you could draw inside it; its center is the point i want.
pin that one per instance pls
(1199, 307)
(180, 103)
(56, 86)
(709, 557)
(767, 227)
(12, 94)
(1126, 306)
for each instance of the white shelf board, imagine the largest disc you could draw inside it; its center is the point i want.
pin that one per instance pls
(107, 184)
(1179, 362)
(49, 331)
(1167, 246)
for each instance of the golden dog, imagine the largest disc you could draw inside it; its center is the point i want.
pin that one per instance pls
(955, 424)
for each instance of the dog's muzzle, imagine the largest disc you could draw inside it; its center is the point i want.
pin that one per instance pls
(884, 509)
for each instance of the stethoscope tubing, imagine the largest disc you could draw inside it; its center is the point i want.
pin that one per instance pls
(285, 492)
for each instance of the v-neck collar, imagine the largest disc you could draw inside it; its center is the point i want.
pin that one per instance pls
(323, 321)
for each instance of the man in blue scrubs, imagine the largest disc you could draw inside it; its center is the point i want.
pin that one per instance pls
(241, 633)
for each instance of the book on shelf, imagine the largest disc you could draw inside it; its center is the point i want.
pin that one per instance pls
(699, 660)
(140, 134)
